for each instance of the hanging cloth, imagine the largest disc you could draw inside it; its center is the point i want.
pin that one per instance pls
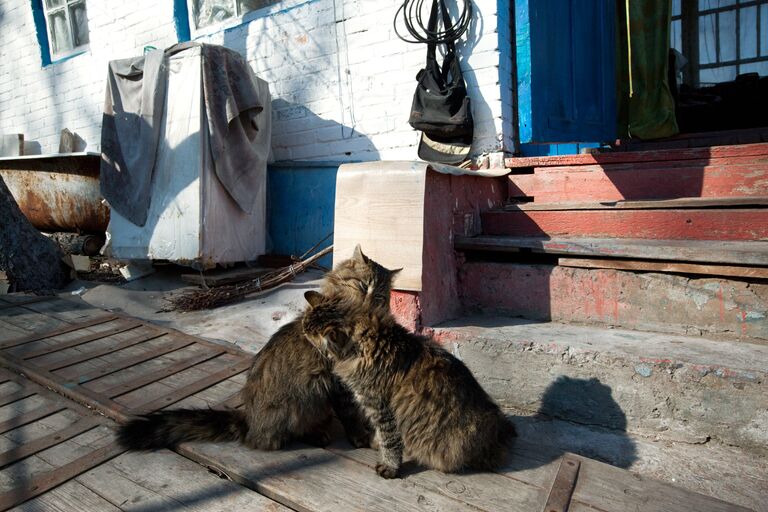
(646, 109)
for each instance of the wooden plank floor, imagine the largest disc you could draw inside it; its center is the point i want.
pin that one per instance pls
(120, 366)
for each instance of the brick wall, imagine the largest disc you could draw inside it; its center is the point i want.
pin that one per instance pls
(341, 81)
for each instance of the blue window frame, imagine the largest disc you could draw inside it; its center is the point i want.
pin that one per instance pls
(62, 29)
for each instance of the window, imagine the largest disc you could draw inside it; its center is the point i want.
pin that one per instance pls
(66, 24)
(206, 13)
(721, 38)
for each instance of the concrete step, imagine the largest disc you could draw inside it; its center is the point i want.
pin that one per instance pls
(674, 388)
(727, 308)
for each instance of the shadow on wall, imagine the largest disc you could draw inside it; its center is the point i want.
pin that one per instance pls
(596, 426)
(321, 139)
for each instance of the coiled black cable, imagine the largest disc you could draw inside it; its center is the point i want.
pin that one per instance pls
(412, 19)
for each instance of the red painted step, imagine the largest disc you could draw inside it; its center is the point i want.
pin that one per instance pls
(672, 224)
(721, 178)
(664, 155)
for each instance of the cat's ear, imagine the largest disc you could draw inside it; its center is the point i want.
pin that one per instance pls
(314, 298)
(394, 272)
(358, 255)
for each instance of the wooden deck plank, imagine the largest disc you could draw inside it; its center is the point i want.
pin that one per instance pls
(484, 491)
(164, 372)
(194, 387)
(745, 177)
(122, 326)
(316, 480)
(41, 482)
(66, 310)
(709, 251)
(68, 497)
(562, 487)
(40, 444)
(657, 204)
(604, 487)
(163, 480)
(112, 346)
(29, 417)
(55, 332)
(675, 224)
(641, 156)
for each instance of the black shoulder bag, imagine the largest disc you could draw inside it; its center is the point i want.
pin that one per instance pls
(441, 108)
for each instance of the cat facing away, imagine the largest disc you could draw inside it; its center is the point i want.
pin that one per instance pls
(423, 402)
(290, 392)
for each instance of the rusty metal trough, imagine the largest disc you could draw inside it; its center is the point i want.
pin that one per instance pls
(58, 192)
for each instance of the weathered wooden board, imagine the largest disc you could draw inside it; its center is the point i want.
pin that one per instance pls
(641, 156)
(743, 177)
(604, 487)
(657, 266)
(504, 490)
(694, 224)
(312, 479)
(657, 204)
(70, 496)
(710, 251)
(381, 207)
(163, 480)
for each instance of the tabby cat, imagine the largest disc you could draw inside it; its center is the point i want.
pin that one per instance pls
(423, 402)
(290, 392)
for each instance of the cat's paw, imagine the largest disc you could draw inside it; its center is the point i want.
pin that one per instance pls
(385, 471)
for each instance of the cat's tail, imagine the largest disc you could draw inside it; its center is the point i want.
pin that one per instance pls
(167, 429)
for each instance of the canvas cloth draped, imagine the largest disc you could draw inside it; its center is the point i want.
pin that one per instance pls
(238, 114)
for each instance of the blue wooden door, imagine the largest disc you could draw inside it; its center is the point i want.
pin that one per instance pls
(566, 61)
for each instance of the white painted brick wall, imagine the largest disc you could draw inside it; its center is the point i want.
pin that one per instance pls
(341, 81)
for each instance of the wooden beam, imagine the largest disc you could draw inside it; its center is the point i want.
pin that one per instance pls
(709, 251)
(658, 266)
(559, 497)
(677, 224)
(640, 156)
(748, 177)
(659, 204)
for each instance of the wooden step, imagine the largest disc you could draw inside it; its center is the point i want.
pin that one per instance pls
(669, 224)
(659, 204)
(718, 178)
(752, 253)
(664, 155)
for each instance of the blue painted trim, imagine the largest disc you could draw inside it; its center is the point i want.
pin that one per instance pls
(41, 31)
(181, 20)
(295, 226)
(555, 149)
(70, 56)
(523, 51)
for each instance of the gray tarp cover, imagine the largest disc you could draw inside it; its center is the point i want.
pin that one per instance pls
(133, 117)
